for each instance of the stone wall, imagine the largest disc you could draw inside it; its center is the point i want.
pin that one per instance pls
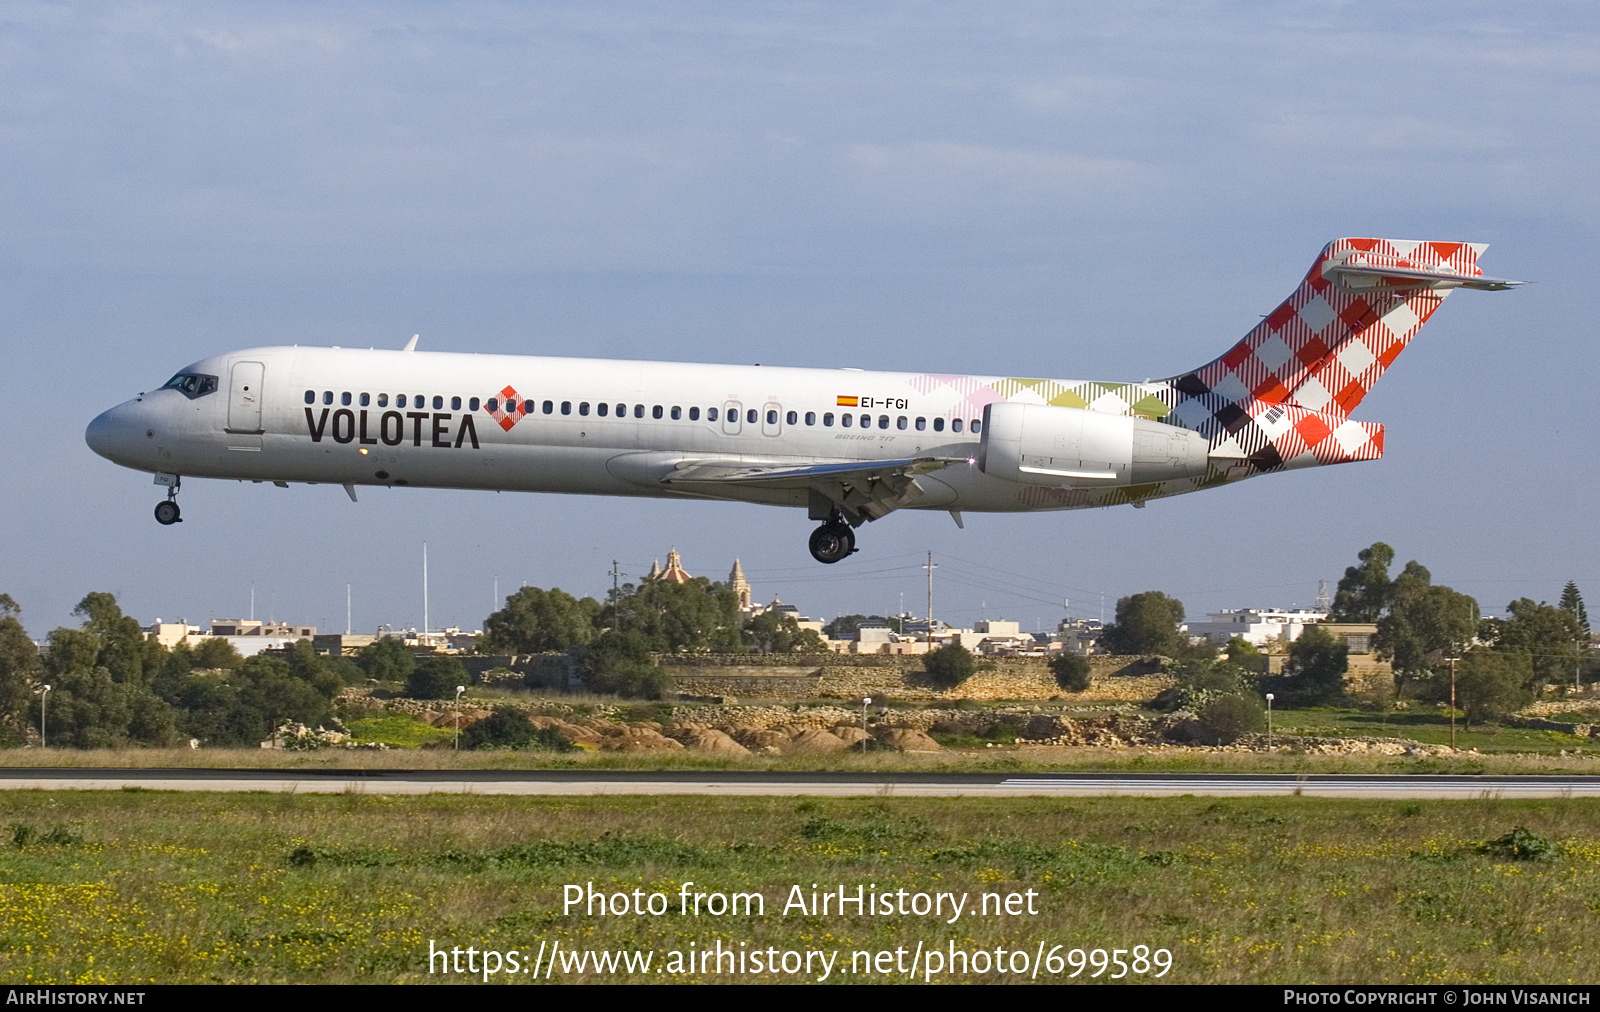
(840, 676)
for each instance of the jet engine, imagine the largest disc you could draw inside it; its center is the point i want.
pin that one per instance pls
(1037, 444)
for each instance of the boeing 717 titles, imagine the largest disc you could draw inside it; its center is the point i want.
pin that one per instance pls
(845, 445)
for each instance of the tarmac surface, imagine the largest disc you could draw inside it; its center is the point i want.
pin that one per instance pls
(815, 784)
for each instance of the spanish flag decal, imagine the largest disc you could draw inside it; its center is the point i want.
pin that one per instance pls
(849, 402)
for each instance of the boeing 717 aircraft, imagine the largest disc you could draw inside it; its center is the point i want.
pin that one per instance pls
(845, 445)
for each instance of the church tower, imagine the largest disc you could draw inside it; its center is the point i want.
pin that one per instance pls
(739, 585)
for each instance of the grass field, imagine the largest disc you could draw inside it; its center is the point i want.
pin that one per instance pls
(1429, 726)
(154, 886)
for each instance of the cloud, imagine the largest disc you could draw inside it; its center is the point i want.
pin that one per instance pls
(950, 173)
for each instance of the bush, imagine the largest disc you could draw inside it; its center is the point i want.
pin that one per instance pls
(619, 663)
(509, 727)
(1071, 671)
(436, 678)
(1519, 845)
(1232, 717)
(947, 667)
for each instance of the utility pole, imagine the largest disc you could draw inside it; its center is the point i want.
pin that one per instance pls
(930, 567)
(424, 589)
(1452, 704)
(346, 609)
(616, 593)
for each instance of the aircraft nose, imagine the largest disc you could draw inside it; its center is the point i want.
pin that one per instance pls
(114, 434)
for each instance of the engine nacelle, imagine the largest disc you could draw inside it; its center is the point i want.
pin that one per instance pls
(1037, 444)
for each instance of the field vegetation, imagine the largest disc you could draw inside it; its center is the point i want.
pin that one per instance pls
(134, 886)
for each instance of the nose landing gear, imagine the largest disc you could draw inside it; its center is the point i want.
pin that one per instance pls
(833, 541)
(167, 512)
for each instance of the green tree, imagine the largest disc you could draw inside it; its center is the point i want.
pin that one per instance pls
(844, 627)
(387, 660)
(436, 678)
(20, 667)
(87, 708)
(1489, 683)
(773, 632)
(1363, 592)
(536, 621)
(1547, 634)
(1071, 671)
(694, 617)
(270, 686)
(621, 663)
(1423, 625)
(1242, 652)
(124, 650)
(1146, 623)
(1572, 601)
(214, 653)
(949, 666)
(1317, 664)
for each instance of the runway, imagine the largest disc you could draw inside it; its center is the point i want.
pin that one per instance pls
(785, 784)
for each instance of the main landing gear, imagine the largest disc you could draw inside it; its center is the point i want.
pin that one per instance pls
(167, 512)
(833, 540)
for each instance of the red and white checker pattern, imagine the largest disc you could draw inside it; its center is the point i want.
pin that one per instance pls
(508, 408)
(1325, 346)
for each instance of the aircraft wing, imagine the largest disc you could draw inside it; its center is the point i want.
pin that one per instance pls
(862, 489)
(804, 475)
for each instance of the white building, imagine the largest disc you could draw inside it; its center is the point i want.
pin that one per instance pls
(1256, 626)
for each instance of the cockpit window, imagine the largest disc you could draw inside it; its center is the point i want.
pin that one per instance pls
(192, 384)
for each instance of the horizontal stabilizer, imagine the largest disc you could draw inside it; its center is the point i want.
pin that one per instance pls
(1369, 272)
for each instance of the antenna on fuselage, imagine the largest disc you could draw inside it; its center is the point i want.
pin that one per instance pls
(411, 345)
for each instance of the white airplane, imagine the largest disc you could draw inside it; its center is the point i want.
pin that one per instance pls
(845, 445)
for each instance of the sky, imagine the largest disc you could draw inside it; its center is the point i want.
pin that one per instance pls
(1030, 189)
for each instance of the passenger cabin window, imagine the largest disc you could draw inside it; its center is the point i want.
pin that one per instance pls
(938, 425)
(311, 396)
(344, 398)
(711, 414)
(792, 418)
(455, 404)
(955, 425)
(622, 411)
(772, 418)
(655, 412)
(383, 400)
(438, 402)
(811, 418)
(399, 400)
(602, 409)
(866, 421)
(883, 421)
(492, 404)
(900, 422)
(472, 405)
(677, 412)
(977, 425)
(638, 411)
(327, 396)
(750, 416)
(527, 407)
(366, 399)
(566, 407)
(846, 420)
(694, 414)
(583, 407)
(922, 423)
(549, 406)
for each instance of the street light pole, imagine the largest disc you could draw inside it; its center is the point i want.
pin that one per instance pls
(1269, 722)
(1452, 704)
(459, 690)
(44, 697)
(866, 701)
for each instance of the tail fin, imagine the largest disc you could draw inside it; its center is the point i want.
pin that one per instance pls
(1324, 347)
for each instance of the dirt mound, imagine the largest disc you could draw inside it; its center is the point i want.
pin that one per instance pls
(850, 734)
(708, 740)
(763, 742)
(906, 739)
(811, 740)
(623, 738)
